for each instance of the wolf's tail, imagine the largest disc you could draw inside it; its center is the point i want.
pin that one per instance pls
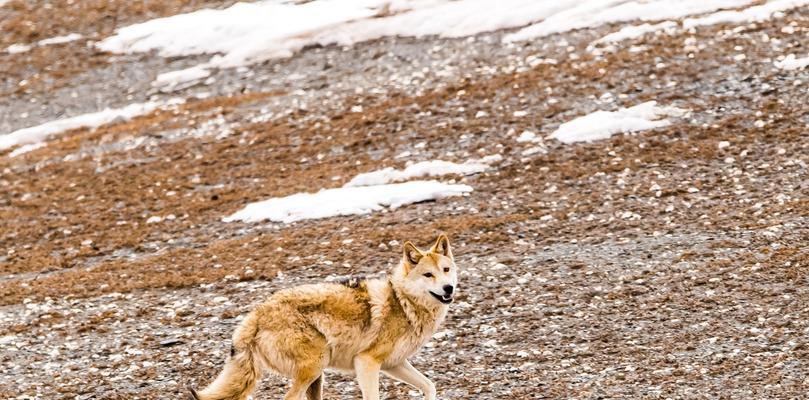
(238, 379)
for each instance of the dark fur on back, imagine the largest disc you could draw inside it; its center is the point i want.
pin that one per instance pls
(353, 282)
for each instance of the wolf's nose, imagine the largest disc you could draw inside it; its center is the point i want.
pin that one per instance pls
(448, 289)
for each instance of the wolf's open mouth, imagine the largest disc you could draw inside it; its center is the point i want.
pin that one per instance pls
(443, 299)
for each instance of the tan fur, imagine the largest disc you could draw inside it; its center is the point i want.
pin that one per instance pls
(364, 327)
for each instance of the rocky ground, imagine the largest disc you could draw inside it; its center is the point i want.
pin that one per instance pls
(671, 263)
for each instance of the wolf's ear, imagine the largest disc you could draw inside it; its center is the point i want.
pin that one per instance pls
(441, 246)
(412, 255)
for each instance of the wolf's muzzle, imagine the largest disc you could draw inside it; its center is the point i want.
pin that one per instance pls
(445, 299)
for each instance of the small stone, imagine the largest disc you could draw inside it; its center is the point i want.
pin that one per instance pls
(170, 342)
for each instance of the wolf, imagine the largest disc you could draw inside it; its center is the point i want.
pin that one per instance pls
(361, 327)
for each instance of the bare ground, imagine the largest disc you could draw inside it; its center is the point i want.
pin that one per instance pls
(653, 265)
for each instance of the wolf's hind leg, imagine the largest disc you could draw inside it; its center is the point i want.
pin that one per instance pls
(407, 373)
(304, 378)
(315, 390)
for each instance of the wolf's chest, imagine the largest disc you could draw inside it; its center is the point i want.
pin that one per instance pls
(405, 347)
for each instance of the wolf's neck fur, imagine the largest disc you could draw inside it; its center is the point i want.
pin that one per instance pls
(424, 319)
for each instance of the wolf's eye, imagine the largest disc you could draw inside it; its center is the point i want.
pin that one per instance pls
(446, 269)
(428, 275)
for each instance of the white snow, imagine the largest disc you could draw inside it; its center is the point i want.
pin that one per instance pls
(265, 30)
(246, 33)
(593, 13)
(752, 14)
(39, 133)
(178, 79)
(241, 32)
(60, 39)
(22, 48)
(417, 170)
(17, 48)
(26, 149)
(345, 201)
(603, 124)
(634, 31)
(792, 63)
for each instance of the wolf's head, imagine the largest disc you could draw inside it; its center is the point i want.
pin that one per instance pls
(429, 277)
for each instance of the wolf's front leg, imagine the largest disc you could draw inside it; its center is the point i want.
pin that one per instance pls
(407, 373)
(367, 369)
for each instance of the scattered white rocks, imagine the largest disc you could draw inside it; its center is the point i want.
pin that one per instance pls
(157, 219)
(487, 330)
(792, 63)
(526, 136)
(534, 150)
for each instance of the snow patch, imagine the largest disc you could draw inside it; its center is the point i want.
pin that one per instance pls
(26, 149)
(22, 48)
(345, 201)
(17, 48)
(603, 124)
(593, 13)
(60, 39)
(247, 33)
(39, 133)
(791, 63)
(417, 170)
(176, 80)
(753, 14)
(635, 31)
